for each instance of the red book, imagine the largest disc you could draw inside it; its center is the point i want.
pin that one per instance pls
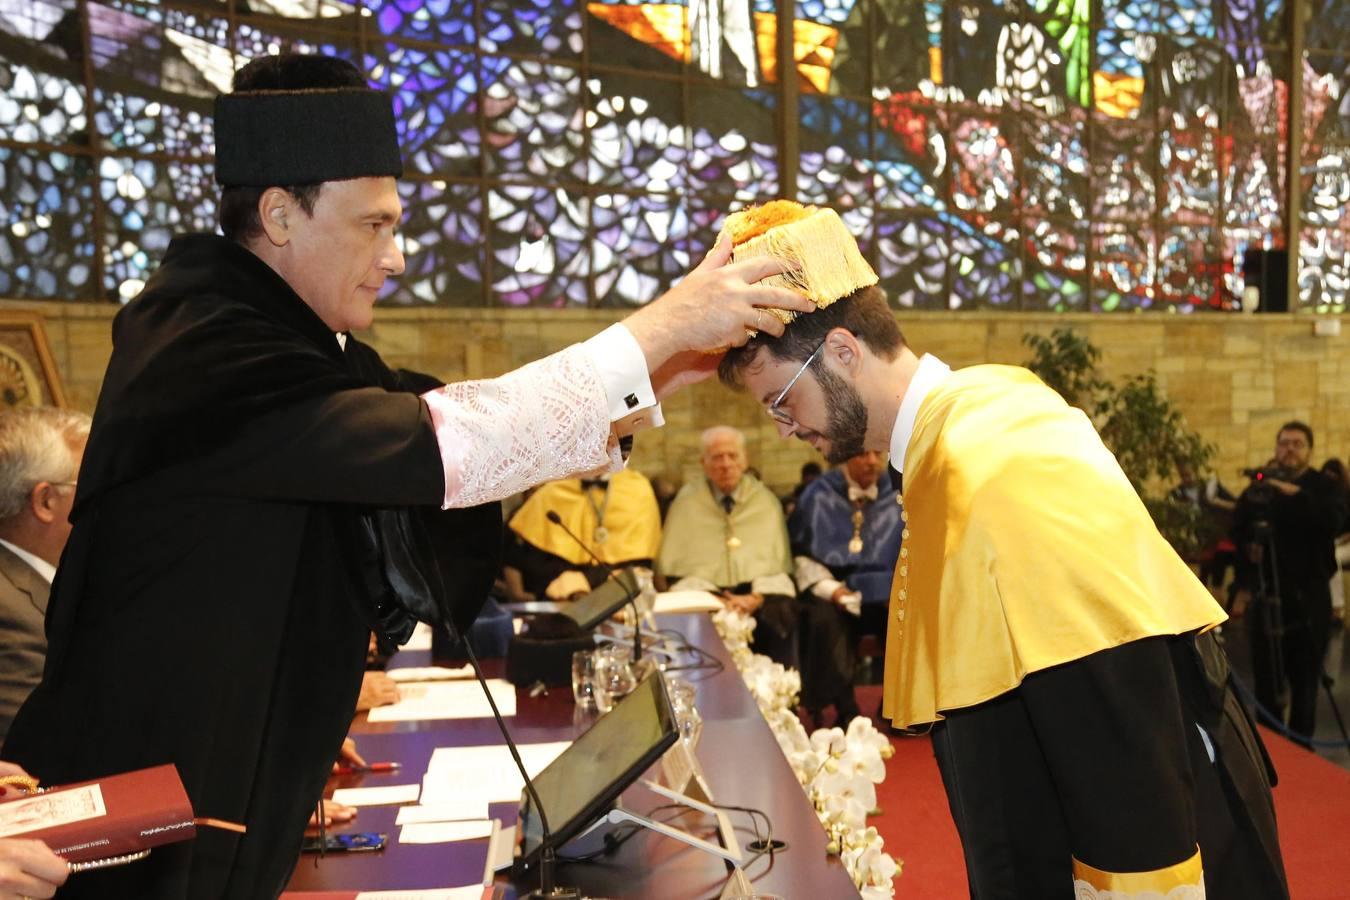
(111, 816)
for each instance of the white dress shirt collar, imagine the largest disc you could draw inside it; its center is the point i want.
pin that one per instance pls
(856, 492)
(930, 373)
(37, 563)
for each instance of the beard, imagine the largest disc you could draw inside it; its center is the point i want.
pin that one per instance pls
(847, 422)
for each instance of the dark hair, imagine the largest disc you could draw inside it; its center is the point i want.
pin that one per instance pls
(1297, 426)
(864, 312)
(810, 468)
(238, 213)
(1337, 470)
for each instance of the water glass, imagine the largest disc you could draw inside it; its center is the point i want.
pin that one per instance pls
(583, 679)
(646, 597)
(687, 717)
(614, 676)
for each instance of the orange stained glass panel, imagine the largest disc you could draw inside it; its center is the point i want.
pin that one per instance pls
(1117, 95)
(659, 25)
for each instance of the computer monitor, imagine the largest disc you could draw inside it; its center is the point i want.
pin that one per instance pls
(581, 785)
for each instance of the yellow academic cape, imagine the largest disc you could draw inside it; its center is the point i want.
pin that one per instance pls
(632, 519)
(1026, 548)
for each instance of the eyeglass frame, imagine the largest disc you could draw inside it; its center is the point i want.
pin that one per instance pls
(778, 415)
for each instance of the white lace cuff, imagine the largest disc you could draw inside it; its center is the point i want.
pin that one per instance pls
(546, 420)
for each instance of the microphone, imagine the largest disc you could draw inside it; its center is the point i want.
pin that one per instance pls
(556, 519)
(547, 889)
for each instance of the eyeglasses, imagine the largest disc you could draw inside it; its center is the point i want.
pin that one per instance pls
(779, 415)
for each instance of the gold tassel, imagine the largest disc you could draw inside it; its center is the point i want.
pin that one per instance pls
(826, 262)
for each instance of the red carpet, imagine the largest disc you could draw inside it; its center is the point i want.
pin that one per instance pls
(1312, 802)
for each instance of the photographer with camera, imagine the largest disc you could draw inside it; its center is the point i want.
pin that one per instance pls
(1286, 522)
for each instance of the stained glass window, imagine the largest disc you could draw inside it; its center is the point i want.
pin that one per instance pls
(1052, 154)
(46, 236)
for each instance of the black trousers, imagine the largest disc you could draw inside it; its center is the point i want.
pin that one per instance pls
(776, 628)
(1305, 614)
(829, 642)
(1100, 760)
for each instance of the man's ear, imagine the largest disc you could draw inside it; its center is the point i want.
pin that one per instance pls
(276, 211)
(844, 347)
(42, 501)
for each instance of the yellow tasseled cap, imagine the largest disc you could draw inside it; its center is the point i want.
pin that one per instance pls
(826, 260)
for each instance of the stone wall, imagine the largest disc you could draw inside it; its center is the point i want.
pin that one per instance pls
(1235, 378)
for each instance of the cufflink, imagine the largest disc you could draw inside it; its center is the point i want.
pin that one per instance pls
(631, 401)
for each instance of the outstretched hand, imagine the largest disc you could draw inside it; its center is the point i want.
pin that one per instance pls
(713, 308)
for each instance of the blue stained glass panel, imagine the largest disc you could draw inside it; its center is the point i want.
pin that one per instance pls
(47, 243)
(446, 22)
(540, 251)
(145, 203)
(640, 246)
(435, 95)
(441, 237)
(534, 119)
(537, 27)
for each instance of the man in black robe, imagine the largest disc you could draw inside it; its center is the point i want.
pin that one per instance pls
(237, 524)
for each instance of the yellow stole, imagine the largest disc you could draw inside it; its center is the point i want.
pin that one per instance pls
(1026, 548)
(632, 519)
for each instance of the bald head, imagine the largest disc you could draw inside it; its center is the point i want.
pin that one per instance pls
(724, 457)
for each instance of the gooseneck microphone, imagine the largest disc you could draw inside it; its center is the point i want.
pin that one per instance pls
(556, 519)
(547, 889)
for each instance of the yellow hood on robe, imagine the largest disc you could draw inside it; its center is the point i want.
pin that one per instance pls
(1026, 548)
(632, 519)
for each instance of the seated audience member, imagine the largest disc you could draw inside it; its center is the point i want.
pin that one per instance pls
(28, 868)
(615, 516)
(845, 534)
(335, 813)
(725, 533)
(1213, 507)
(665, 491)
(377, 689)
(810, 472)
(40, 452)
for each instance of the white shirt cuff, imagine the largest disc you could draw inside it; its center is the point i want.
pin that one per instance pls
(825, 588)
(623, 371)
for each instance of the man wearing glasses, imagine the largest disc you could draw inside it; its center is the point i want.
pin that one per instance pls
(1056, 646)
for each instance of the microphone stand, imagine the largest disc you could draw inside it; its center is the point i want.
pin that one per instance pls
(556, 519)
(547, 889)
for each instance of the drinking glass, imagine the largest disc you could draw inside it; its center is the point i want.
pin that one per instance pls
(614, 675)
(583, 679)
(687, 717)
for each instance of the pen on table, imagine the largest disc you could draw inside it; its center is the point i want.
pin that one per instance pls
(368, 767)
